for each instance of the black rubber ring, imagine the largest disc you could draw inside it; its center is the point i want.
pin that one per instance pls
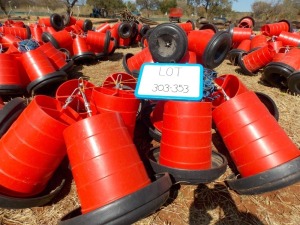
(273, 179)
(219, 165)
(128, 209)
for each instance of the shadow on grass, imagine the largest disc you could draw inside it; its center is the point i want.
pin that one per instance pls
(219, 199)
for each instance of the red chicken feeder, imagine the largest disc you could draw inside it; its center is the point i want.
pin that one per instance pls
(258, 41)
(10, 79)
(211, 48)
(27, 164)
(251, 62)
(289, 39)
(117, 100)
(81, 50)
(277, 72)
(20, 32)
(186, 141)
(246, 22)
(243, 47)
(85, 25)
(231, 85)
(120, 80)
(274, 29)
(99, 42)
(133, 62)
(103, 27)
(187, 26)
(9, 112)
(36, 32)
(238, 34)
(41, 71)
(59, 39)
(256, 143)
(60, 58)
(55, 21)
(65, 91)
(167, 43)
(128, 209)
(105, 167)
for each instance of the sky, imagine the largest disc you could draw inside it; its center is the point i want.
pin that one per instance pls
(242, 5)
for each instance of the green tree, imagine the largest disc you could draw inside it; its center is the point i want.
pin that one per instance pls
(165, 5)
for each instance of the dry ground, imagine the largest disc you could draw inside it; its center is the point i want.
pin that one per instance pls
(213, 203)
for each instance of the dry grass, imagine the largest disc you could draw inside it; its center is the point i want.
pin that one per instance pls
(212, 203)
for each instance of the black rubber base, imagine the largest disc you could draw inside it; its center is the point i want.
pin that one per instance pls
(68, 66)
(84, 57)
(216, 49)
(219, 165)
(22, 203)
(294, 83)
(124, 62)
(46, 82)
(269, 103)
(10, 112)
(47, 37)
(243, 67)
(273, 179)
(168, 43)
(277, 73)
(155, 134)
(233, 55)
(128, 209)
(11, 90)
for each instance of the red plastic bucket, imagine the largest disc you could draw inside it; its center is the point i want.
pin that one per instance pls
(33, 147)
(116, 100)
(65, 91)
(252, 135)
(103, 160)
(186, 135)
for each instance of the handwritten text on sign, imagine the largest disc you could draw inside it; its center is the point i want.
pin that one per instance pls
(170, 81)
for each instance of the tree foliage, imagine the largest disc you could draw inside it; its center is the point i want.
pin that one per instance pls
(110, 5)
(148, 4)
(275, 10)
(165, 5)
(213, 7)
